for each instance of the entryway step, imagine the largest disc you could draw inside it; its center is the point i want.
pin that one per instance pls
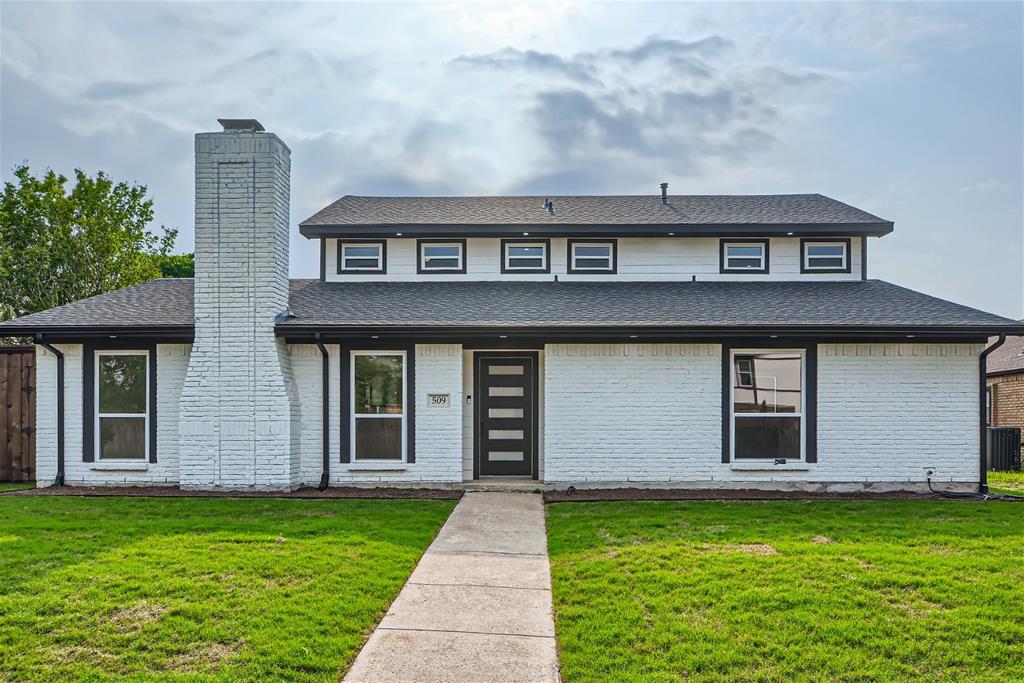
(510, 485)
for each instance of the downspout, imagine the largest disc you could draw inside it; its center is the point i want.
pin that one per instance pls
(983, 415)
(326, 417)
(59, 481)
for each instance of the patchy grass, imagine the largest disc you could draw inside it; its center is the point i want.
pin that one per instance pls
(790, 590)
(1006, 482)
(15, 485)
(199, 588)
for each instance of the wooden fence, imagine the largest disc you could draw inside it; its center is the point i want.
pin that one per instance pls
(17, 413)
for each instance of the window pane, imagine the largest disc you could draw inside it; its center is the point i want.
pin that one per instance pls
(504, 412)
(754, 250)
(826, 262)
(505, 456)
(505, 370)
(122, 437)
(767, 383)
(504, 391)
(362, 263)
(378, 438)
(744, 263)
(767, 437)
(505, 434)
(603, 251)
(436, 263)
(371, 250)
(378, 384)
(825, 249)
(593, 263)
(442, 250)
(525, 251)
(122, 383)
(525, 263)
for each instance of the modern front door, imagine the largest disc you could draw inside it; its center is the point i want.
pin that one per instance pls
(506, 411)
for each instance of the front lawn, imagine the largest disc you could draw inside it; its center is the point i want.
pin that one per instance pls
(790, 590)
(1006, 482)
(199, 588)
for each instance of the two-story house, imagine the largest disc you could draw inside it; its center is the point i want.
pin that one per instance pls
(652, 341)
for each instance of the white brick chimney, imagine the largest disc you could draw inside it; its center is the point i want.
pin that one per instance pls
(239, 410)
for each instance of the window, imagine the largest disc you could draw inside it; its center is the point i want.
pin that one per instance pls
(378, 425)
(768, 404)
(749, 256)
(122, 405)
(525, 256)
(592, 256)
(441, 257)
(362, 257)
(825, 256)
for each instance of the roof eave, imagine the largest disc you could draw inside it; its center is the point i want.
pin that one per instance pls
(57, 333)
(363, 231)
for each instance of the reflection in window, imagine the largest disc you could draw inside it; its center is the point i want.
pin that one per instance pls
(357, 256)
(526, 256)
(441, 256)
(745, 256)
(378, 405)
(122, 404)
(825, 256)
(767, 404)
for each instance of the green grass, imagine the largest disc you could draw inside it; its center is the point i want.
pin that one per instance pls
(198, 588)
(1006, 482)
(15, 485)
(789, 591)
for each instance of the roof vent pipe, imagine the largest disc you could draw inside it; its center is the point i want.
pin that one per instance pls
(551, 208)
(664, 193)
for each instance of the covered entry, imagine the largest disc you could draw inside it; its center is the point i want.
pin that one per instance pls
(505, 418)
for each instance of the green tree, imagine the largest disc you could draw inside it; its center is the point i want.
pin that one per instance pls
(176, 265)
(58, 246)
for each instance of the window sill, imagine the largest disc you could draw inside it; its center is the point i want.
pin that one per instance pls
(769, 466)
(128, 465)
(377, 467)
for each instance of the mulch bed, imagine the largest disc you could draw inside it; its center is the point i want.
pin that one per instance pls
(175, 492)
(595, 495)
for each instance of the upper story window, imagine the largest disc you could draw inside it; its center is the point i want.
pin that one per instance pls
(592, 256)
(122, 405)
(825, 256)
(362, 257)
(743, 256)
(441, 257)
(525, 256)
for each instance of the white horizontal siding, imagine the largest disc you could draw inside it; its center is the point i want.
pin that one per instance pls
(639, 259)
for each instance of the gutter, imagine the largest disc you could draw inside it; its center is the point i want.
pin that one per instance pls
(326, 414)
(59, 481)
(982, 415)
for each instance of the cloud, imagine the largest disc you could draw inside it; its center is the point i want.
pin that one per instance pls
(108, 90)
(530, 60)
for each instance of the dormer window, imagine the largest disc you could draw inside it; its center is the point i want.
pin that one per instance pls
(362, 257)
(743, 256)
(592, 256)
(448, 256)
(525, 256)
(825, 256)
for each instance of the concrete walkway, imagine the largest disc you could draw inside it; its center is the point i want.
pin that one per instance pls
(477, 607)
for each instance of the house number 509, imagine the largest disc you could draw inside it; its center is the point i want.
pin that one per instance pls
(440, 400)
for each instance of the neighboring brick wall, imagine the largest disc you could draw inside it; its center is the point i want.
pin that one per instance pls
(651, 414)
(172, 362)
(1007, 400)
(239, 404)
(438, 370)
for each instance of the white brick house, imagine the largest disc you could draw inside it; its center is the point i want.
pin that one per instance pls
(654, 341)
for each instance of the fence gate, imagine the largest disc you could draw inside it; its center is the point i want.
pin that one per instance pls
(1004, 448)
(17, 413)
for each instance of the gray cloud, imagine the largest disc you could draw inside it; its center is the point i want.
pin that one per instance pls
(530, 60)
(108, 90)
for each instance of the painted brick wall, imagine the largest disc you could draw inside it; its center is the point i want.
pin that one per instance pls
(651, 414)
(239, 403)
(172, 362)
(438, 370)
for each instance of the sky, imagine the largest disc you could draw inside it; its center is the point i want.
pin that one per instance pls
(911, 111)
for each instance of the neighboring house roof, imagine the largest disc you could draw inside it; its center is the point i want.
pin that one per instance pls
(167, 304)
(1008, 358)
(625, 214)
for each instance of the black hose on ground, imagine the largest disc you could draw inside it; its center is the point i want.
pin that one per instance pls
(963, 495)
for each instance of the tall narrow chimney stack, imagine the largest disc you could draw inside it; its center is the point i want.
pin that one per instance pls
(664, 193)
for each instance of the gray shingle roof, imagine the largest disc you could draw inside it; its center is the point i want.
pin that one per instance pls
(1009, 357)
(626, 304)
(168, 303)
(783, 209)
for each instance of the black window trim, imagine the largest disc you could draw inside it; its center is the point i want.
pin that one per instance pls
(614, 244)
(89, 350)
(420, 270)
(526, 271)
(810, 414)
(804, 241)
(722, 243)
(346, 399)
(383, 257)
